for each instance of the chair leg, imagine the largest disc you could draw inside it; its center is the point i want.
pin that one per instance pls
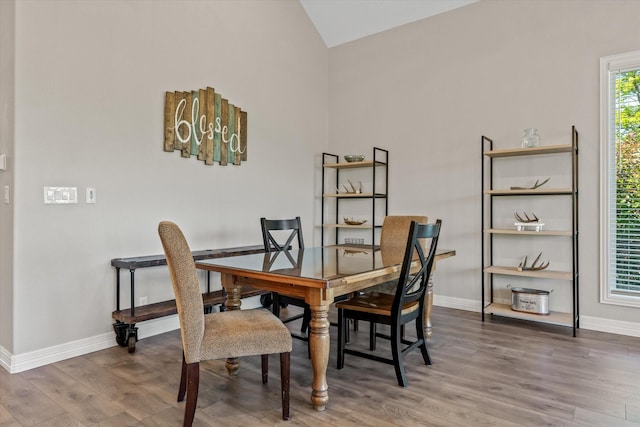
(420, 335)
(306, 319)
(183, 380)
(276, 304)
(266, 300)
(265, 368)
(372, 336)
(398, 360)
(347, 334)
(193, 380)
(285, 369)
(341, 338)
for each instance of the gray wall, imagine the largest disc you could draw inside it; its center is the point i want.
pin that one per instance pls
(89, 84)
(427, 91)
(7, 61)
(89, 105)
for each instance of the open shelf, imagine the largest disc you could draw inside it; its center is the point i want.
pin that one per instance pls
(528, 232)
(514, 152)
(536, 192)
(355, 195)
(369, 226)
(349, 165)
(541, 274)
(553, 318)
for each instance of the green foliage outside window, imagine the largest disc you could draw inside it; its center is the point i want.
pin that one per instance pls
(627, 118)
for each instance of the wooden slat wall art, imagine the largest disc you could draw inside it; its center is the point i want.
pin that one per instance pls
(202, 123)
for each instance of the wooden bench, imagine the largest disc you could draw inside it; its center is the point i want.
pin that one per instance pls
(126, 319)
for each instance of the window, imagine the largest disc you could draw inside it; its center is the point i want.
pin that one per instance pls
(620, 178)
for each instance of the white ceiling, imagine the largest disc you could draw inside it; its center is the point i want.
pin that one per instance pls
(341, 21)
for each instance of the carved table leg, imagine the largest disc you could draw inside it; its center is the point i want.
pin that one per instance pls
(319, 345)
(232, 302)
(428, 306)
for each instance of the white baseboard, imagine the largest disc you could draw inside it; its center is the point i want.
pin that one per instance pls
(22, 362)
(619, 327)
(591, 323)
(457, 303)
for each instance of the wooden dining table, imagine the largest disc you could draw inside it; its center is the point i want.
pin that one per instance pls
(318, 275)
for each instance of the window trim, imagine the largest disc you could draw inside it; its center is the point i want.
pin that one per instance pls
(615, 63)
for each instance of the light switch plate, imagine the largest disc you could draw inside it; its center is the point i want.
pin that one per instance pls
(60, 195)
(3, 162)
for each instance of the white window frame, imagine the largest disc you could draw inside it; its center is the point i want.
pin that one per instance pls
(608, 66)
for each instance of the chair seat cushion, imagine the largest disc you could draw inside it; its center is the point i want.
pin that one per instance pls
(238, 333)
(376, 303)
(383, 288)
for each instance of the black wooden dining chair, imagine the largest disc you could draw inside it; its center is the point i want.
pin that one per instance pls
(393, 238)
(406, 305)
(278, 235)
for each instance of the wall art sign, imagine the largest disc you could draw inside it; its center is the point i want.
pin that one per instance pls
(202, 123)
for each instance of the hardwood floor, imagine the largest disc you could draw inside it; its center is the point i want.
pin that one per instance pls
(501, 372)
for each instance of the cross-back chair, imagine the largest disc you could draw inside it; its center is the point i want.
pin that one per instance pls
(393, 238)
(279, 235)
(222, 335)
(406, 305)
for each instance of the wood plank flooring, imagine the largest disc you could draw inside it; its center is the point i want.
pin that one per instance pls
(501, 372)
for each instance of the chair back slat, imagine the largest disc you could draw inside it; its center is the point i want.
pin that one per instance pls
(412, 285)
(270, 239)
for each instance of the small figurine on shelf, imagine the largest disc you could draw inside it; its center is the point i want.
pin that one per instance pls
(534, 265)
(353, 189)
(527, 223)
(538, 184)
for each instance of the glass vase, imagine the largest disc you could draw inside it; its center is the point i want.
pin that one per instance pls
(530, 139)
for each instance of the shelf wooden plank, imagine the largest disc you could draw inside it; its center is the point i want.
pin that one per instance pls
(354, 195)
(514, 152)
(536, 192)
(369, 226)
(554, 317)
(354, 248)
(350, 165)
(528, 232)
(542, 274)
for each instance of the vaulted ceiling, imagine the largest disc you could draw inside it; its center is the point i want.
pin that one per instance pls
(341, 21)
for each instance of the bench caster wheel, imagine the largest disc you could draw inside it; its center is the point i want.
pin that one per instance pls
(121, 330)
(132, 338)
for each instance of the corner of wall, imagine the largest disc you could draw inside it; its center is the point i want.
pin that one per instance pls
(7, 102)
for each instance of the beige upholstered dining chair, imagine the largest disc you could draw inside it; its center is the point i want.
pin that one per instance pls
(227, 334)
(395, 230)
(393, 238)
(406, 305)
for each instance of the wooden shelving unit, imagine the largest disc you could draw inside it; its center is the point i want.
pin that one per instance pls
(489, 270)
(332, 223)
